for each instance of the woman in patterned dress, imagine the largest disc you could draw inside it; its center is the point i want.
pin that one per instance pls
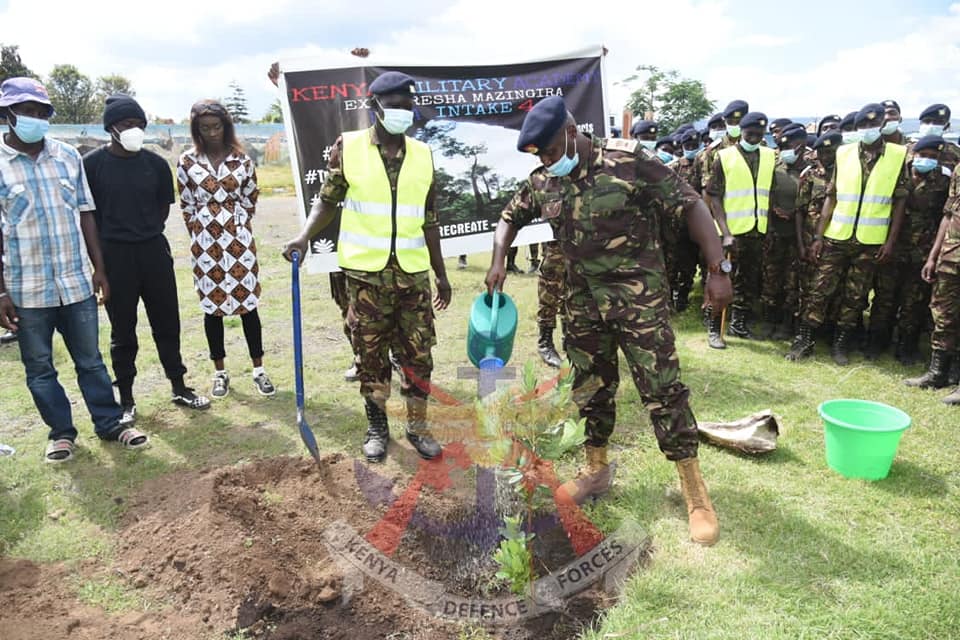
(218, 196)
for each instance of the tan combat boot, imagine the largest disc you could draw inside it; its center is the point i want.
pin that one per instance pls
(704, 528)
(593, 480)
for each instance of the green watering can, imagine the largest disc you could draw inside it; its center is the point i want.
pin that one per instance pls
(491, 329)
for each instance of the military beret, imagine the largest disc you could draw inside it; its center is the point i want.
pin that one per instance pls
(664, 140)
(541, 124)
(830, 119)
(684, 127)
(871, 113)
(643, 126)
(934, 143)
(736, 109)
(936, 112)
(754, 119)
(393, 82)
(848, 120)
(690, 135)
(829, 139)
(780, 123)
(792, 134)
(715, 119)
(891, 104)
(811, 139)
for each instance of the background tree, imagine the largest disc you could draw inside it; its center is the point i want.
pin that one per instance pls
(273, 114)
(109, 85)
(672, 99)
(72, 95)
(236, 104)
(10, 64)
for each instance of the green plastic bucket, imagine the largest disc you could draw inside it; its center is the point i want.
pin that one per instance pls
(861, 437)
(491, 329)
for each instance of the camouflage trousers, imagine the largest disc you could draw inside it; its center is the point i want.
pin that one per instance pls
(550, 285)
(914, 299)
(945, 307)
(886, 283)
(747, 258)
(781, 274)
(384, 316)
(858, 262)
(631, 316)
(682, 258)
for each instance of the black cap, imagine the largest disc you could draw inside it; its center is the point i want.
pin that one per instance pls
(831, 139)
(811, 138)
(736, 109)
(690, 134)
(541, 124)
(848, 120)
(938, 112)
(664, 140)
(393, 82)
(891, 104)
(754, 119)
(120, 107)
(643, 126)
(715, 119)
(780, 123)
(934, 143)
(792, 134)
(871, 113)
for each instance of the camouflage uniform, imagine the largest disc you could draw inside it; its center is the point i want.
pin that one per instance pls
(683, 260)
(706, 160)
(811, 192)
(780, 281)
(607, 221)
(858, 260)
(945, 302)
(550, 286)
(387, 308)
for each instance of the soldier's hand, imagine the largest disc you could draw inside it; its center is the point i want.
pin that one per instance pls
(442, 300)
(299, 245)
(813, 253)
(8, 314)
(718, 293)
(496, 275)
(885, 253)
(929, 271)
(728, 241)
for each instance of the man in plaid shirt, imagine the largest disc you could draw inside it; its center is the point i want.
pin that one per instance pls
(49, 240)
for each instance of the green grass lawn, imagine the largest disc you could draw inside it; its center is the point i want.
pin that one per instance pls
(804, 553)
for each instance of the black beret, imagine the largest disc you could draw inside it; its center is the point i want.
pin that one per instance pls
(891, 104)
(792, 134)
(848, 120)
(736, 109)
(664, 140)
(780, 123)
(934, 143)
(936, 112)
(715, 119)
(829, 139)
(690, 134)
(393, 82)
(828, 120)
(811, 138)
(754, 119)
(542, 124)
(643, 126)
(871, 113)
(120, 107)
(684, 127)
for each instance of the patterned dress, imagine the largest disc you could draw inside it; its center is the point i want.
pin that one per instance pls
(218, 208)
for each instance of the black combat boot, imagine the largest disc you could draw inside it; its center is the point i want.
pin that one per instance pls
(738, 325)
(548, 353)
(877, 342)
(936, 375)
(714, 338)
(908, 353)
(953, 371)
(418, 434)
(512, 266)
(534, 265)
(803, 344)
(682, 302)
(378, 432)
(841, 346)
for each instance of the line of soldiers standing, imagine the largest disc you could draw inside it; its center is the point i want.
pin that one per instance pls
(815, 223)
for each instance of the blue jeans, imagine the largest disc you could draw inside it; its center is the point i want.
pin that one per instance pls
(78, 324)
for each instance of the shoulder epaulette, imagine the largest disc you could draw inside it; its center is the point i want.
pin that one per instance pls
(626, 145)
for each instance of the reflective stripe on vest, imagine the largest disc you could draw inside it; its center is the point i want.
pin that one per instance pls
(865, 210)
(745, 202)
(371, 222)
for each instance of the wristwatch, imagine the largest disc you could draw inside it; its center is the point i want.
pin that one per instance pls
(724, 266)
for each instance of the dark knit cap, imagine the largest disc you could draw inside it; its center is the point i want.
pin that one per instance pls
(120, 107)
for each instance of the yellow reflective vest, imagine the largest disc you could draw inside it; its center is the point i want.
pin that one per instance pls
(746, 201)
(865, 209)
(375, 220)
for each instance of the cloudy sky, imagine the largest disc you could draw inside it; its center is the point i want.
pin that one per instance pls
(799, 59)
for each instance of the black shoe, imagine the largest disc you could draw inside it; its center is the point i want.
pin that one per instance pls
(877, 343)
(936, 376)
(840, 348)
(548, 353)
(351, 375)
(426, 446)
(738, 325)
(9, 337)
(714, 338)
(803, 344)
(682, 302)
(534, 266)
(907, 352)
(378, 433)
(513, 268)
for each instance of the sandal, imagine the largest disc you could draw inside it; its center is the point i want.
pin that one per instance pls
(59, 451)
(187, 398)
(132, 439)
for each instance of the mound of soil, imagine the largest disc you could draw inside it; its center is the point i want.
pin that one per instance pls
(242, 548)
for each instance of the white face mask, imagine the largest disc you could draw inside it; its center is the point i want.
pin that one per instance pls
(648, 144)
(396, 121)
(931, 130)
(890, 128)
(131, 139)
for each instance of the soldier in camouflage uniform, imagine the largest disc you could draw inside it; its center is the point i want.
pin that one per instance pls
(550, 292)
(605, 200)
(934, 121)
(389, 306)
(683, 260)
(942, 268)
(857, 239)
(827, 124)
(780, 282)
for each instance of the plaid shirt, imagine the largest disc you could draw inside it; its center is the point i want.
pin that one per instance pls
(45, 261)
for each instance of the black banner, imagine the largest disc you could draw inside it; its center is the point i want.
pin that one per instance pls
(469, 115)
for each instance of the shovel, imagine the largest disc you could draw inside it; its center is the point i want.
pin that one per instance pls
(305, 433)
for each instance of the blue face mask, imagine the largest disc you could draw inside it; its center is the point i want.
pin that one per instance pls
(870, 135)
(852, 136)
(924, 165)
(733, 130)
(648, 144)
(565, 164)
(749, 147)
(29, 129)
(789, 156)
(690, 154)
(927, 129)
(396, 121)
(665, 157)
